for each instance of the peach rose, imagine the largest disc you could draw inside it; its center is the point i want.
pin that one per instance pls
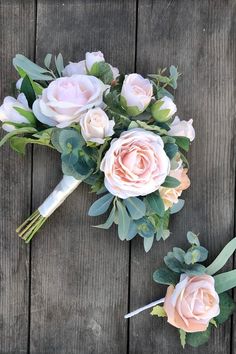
(192, 303)
(170, 195)
(66, 98)
(135, 164)
(136, 94)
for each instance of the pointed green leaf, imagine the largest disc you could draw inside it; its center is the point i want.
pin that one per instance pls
(136, 207)
(123, 221)
(27, 114)
(222, 258)
(101, 205)
(182, 336)
(156, 203)
(19, 131)
(171, 182)
(198, 338)
(109, 220)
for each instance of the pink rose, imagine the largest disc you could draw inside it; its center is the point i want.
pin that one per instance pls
(8, 113)
(66, 98)
(182, 128)
(136, 94)
(170, 195)
(192, 303)
(135, 164)
(96, 126)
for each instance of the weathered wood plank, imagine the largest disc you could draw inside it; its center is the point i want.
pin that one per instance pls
(79, 274)
(17, 35)
(199, 37)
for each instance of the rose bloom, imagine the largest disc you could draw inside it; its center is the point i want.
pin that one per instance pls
(82, 66)
(182, 128)
(66, 98)
(170, 195)
(8, 113)
(136, 93)
(96, 126)
(135, 164)
(192, 303)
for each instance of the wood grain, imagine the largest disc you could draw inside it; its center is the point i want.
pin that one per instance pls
(199, 37)
(16, 36)
(79, 274)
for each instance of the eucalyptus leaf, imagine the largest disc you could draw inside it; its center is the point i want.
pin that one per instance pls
(165, 276)
(156, 203)
(177, 206)
(136, 207)
(132, 232)
(123, 221)
(192, 238)
(101, 205)
(47, 60)
(148, 242)
(171, 182)
(109, 220)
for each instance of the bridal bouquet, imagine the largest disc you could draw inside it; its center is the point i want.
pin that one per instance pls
(197, 298)
(118, 133)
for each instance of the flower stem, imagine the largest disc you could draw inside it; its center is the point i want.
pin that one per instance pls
(36, 220)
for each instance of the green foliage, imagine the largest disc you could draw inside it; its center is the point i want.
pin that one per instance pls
(136, 207)
(227, 307)
(161, 81)
(47, 60)
(18, 143)
(171, 182)
(222, 258)
(20, 131)
(155, 204)
(183, 142)
(28, 90)
(147, 243)
(34, 71)
(165, 276)
(131, 110)
(198, 338)
(158, 311)
(159, 114)
(144, 125)
(225, 281)
(123, 221)
(27, 114)
(177, 206)
(182, 336)
(102, 71)
(101, 205)
(144, 227)
(171, 150)
(192, 239)
(59, 64)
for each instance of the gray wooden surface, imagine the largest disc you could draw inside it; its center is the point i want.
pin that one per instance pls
(69, 290)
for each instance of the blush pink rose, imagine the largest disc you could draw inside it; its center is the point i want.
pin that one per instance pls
(136, 94)
(75, 69)
(135, 164)
(182, 128)
(66, 98)
(192, 303)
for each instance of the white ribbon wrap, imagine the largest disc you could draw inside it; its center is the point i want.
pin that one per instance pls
(67, 185)
(152, 304)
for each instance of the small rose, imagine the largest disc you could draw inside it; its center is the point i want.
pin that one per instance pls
(136, 94)
(19, 83)
(9, 114)
(115, 71)
(135, 164)
(170, 195)
(75, 69)
(66, 98)
(96, 126)
(163, 109)
(192, 303)
(93, 58)
(182, 128)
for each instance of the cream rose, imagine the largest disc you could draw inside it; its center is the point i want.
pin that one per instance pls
(135, 164)
(182, 128)
(8, 113)
(75, 69)
(136, 94)
(170, 195)
(192, 303)
(66, 98)
(96, 126)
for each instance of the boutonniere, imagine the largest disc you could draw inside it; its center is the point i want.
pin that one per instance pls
(197, 298)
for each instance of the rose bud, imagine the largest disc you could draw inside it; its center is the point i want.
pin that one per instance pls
(93, 58)
(163, 109)
(182, 128)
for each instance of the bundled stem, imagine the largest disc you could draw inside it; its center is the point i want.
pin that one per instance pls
(36, 220)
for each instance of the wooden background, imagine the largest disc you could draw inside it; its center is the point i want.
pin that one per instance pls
(68, 291)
